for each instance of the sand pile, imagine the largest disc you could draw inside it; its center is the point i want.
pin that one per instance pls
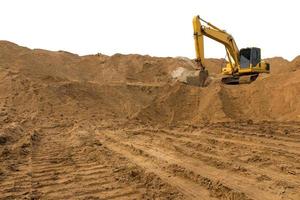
(39, 86)
(296, 63)
(281, 65)
(272, 97)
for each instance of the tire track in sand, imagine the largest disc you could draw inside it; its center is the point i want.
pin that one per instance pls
(245, 188)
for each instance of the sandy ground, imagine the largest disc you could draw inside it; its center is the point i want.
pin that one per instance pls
(121, 161)
(99, 127)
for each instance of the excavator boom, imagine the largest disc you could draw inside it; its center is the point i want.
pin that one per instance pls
(216, 34)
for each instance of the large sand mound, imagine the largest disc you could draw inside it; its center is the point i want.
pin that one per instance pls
(41, 85)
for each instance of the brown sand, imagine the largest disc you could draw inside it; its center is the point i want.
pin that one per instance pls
(119, 127)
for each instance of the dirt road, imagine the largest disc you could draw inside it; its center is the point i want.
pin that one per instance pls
(217, 161)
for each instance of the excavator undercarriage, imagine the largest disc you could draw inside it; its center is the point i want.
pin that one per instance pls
(234, 80)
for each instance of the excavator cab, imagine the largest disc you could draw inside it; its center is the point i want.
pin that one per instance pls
(250, 62)
(249, 57)
(250, 66)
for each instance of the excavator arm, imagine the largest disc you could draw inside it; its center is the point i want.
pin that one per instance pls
(218, 35)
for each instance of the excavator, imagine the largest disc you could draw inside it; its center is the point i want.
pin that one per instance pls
(241, 63)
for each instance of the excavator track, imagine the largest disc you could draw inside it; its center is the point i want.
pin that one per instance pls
(235, 80)
(231, 80)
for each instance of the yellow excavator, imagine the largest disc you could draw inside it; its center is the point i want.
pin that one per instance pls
(244, 62)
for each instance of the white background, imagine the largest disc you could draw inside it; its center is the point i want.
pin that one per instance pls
(154, 27)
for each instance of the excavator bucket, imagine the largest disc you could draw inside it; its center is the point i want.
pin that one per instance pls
(191, 77)
(203, 75)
